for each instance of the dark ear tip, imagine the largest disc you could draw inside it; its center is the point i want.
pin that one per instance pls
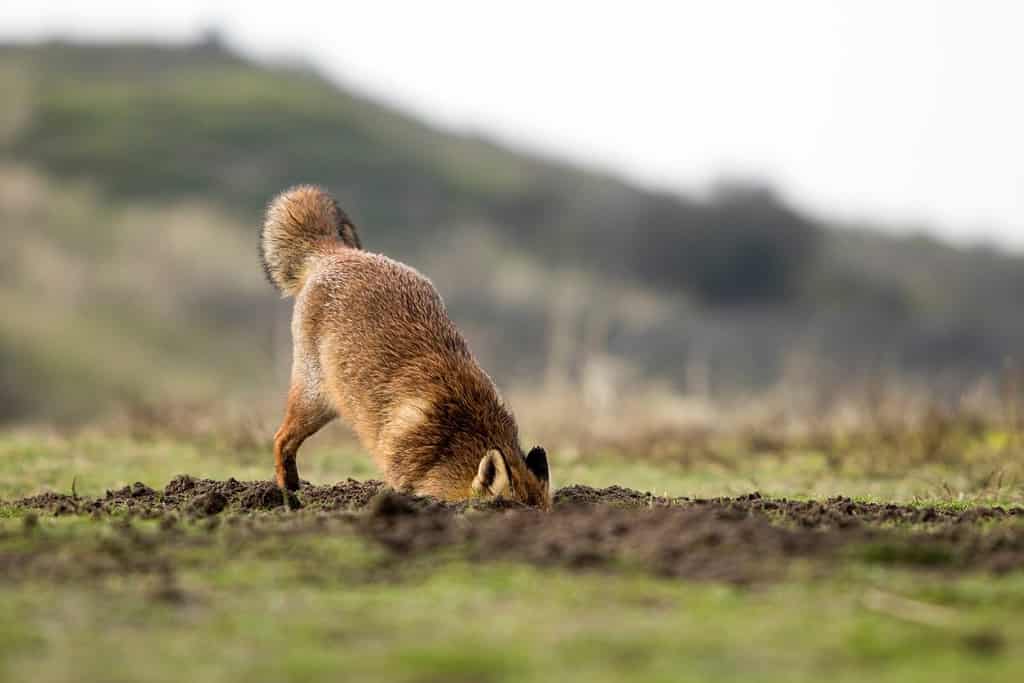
(537, 462)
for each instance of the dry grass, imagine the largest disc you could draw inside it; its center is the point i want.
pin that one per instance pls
(970, 450)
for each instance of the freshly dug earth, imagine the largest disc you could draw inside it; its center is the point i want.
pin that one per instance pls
(740, 540)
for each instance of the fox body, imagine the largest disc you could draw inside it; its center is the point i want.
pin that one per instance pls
(374, 345)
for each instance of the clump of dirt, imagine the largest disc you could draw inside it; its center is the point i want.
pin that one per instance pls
(54, 503)
(209, 503)
(202, 497)
(347, 495)
(207, 495)
(618, 496)
(409, 524)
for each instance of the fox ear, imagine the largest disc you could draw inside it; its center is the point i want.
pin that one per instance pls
(537, 462)
(349, 236)
(492, 475)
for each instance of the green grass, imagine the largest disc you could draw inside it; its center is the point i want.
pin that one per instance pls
(258, 619)
(97, 462)
(307, 607)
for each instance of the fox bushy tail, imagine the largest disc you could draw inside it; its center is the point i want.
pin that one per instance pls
(298, 223)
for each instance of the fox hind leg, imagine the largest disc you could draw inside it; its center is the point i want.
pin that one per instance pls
(304, 416)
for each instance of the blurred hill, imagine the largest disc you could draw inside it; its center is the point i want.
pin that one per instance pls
(133, 177)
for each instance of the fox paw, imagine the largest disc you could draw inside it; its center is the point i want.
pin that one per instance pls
(288, 476)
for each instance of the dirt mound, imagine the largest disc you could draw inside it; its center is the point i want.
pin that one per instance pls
(843, 512)
(740, 540)
(618, 496)
(210, 497)
(700, 543)
(735, 539)
(347, 495)
(837, 512)
(204, 497)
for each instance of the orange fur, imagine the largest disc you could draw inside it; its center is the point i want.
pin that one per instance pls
(373, 344)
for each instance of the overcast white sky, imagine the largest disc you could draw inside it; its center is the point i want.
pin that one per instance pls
(896, 110)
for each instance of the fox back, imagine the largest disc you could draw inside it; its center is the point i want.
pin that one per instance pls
(374, 345)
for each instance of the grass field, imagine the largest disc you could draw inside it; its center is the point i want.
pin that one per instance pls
(123, 593)
(837, 493)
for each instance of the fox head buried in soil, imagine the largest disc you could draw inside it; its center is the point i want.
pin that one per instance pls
(522, 479)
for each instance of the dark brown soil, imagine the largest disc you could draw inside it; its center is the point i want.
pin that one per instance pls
(739, 540)
(183, 494)
(698, 543)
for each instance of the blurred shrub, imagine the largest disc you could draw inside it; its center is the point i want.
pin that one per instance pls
(744, 246)
(140, 276)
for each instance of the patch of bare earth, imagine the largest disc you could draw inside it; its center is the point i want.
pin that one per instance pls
(740, 540)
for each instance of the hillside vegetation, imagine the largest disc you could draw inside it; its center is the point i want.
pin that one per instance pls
(132, 179)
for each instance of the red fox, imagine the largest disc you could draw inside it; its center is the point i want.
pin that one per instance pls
(373, 344)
